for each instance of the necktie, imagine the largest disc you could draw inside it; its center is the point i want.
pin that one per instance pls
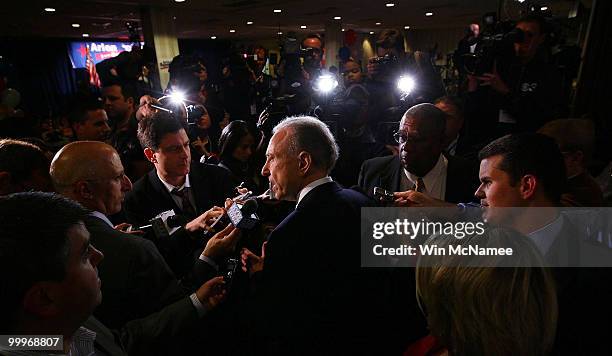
(420, 185)
(186, 204)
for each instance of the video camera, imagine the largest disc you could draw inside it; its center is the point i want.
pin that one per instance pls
(496, 42)
(387, 64)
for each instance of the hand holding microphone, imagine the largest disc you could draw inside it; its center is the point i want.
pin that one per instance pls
(204, 221)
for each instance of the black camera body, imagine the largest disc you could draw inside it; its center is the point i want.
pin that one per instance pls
(387, 64)
(496, 43)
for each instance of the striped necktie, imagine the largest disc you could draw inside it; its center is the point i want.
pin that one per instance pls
(185, 202)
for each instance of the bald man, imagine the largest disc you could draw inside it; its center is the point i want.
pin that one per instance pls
(136, 280)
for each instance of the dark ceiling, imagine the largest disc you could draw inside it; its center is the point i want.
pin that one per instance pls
(202, 19)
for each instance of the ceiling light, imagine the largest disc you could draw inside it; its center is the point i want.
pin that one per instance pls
(337, 18)
(76, 25)
(179, 0)
(378, 24)
(86, 35)
(213, 37)
(278, 11)
(429, 14)
(232, 31)
(303, 26)
(371, 32)
(544, 8)
(279, 33)
(49, 9)
(389, 4)
(342, 30)
(406, 27)
(249, 22)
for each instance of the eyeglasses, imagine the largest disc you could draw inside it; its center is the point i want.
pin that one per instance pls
(402, 138)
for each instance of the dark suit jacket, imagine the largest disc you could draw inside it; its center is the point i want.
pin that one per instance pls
(210, 185)
(166, 332)
(582, 292)
(136, 281)
(317, 298)
(385, 172)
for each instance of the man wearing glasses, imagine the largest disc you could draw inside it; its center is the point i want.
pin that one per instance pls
(422, 165)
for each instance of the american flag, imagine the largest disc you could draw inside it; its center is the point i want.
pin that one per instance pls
(94, 79)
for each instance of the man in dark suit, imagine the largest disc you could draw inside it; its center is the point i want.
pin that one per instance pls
(49, 284)
(137, 280)
(176, 184)
(314, 295)
(527, 172)
(421, 165)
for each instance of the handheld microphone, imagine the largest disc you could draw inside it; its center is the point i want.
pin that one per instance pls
(241, 216)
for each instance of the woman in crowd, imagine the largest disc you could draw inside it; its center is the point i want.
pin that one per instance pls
(236, 147)
(486, 305)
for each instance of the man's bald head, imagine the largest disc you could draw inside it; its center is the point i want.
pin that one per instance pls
(81, 160)
(91, 173)
(433, 119)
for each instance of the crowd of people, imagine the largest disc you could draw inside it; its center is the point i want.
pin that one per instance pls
(108, 226)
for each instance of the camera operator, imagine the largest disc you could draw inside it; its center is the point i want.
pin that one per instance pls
(390, 64)
(466, 45)
(519, 93)
(312, 47)
(355, 138)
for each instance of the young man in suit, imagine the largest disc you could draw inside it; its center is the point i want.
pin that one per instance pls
(422, 164)
(190, 189)
(522, 177)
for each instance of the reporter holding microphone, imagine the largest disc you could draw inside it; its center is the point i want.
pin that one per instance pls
(136, 280)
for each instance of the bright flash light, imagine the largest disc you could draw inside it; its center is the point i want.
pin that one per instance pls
(406, 84)
(326, 83)
(177, 97)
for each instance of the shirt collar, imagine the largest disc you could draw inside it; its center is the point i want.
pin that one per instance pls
(544, 237)
(432, 176)
(312, 185)
(103, 217)
(170, 187)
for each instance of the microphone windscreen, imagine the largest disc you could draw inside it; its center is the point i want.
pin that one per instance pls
(249, 207)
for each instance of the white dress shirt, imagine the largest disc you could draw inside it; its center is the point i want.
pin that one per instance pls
(435, 179)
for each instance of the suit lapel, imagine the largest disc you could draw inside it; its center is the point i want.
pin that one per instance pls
(199, 182)
(391, 178)
(161, 191)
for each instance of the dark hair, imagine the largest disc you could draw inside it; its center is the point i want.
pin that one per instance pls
(530, 153)
(153, 129)
(453, 101)
(435, 118)
(391, 38)
(181, 71)
(571, 135)
(79, 111)
(231, 136)
(129, 89)
(20, 159)
(33, 244)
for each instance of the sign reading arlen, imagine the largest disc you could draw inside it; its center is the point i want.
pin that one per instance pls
(99, 51)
